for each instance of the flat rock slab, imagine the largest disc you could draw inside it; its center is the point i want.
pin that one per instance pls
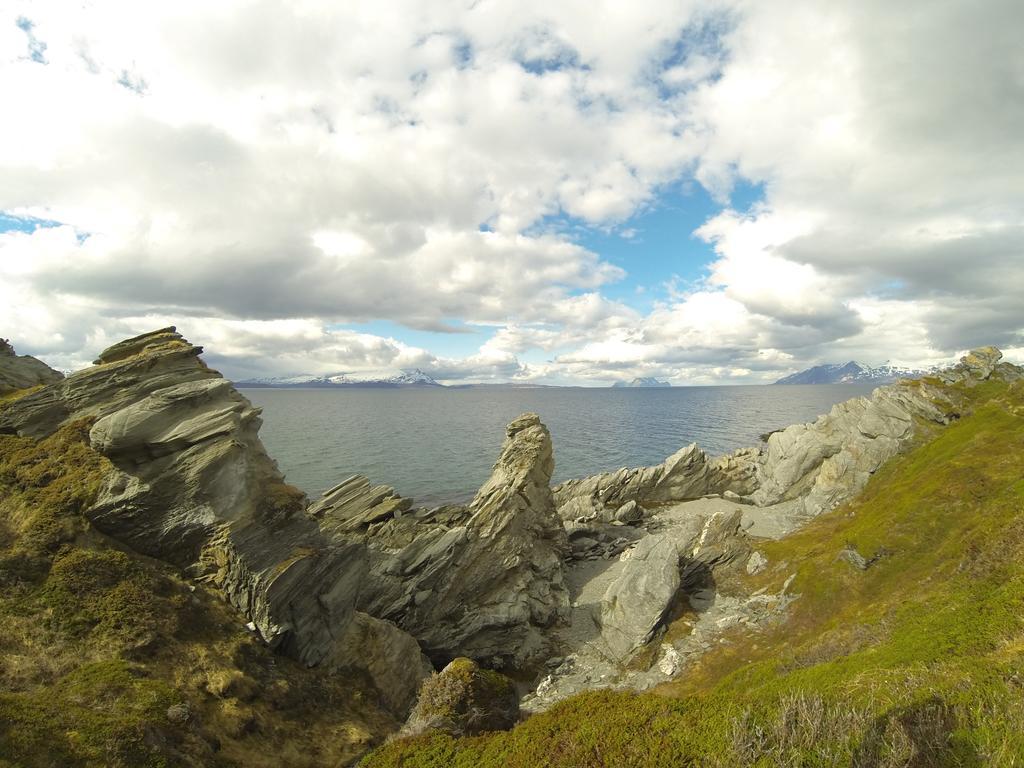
(772, 522)
(635, 603)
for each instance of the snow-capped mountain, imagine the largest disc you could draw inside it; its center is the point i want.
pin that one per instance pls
(413, 378)
(642, 381)
(847, 373)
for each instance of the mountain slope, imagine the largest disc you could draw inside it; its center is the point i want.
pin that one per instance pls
(847, 373)
(905, 645)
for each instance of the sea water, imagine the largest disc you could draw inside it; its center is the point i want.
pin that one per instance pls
(438, 444)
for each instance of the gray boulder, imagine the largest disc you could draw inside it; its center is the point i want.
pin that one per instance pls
(391, 656)
(630, 512)
(720, 541)
(687, 474)
(634, 604)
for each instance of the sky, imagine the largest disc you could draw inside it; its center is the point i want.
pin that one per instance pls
(705, 191)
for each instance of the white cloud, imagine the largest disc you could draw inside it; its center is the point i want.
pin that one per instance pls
(262, 171)
(888, 138)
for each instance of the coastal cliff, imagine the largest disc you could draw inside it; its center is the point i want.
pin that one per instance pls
(625, 580)
(863, 617)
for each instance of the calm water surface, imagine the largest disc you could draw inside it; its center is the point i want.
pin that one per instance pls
(437, 445)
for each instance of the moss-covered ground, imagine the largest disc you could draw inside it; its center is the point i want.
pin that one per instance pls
(916, 661)
(110, 659)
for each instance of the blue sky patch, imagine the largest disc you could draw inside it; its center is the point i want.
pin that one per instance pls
(10, 223)
(657, 247)
(36, 47)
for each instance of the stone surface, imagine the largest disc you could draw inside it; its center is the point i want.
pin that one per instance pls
(708, 537)
(464, 700)
(687, 474)
(706, 509)
(486, 581)
(756, 563)
(22, 371)
(635, 603)
(355, 505)
(390, 655)
(804, 469)
(630, 512)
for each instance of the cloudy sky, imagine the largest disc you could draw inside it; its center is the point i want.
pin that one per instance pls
(571, 191)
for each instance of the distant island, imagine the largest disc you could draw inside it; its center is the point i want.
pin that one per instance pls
(643, 381)
(850, 373)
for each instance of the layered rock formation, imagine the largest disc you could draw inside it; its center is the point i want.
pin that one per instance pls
(687, 474)
(194, 486)
(360, 580)
(809, 467)
(22, 371)
(684, 525)
(482, 581)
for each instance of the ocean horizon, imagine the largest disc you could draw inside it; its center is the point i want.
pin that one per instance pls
(437, 444)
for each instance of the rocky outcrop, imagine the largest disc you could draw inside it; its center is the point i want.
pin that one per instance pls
(486, 580)
(355, 506)
(683, 527)
(667, 578)
(194, 486)
(687, 474)
(820, 465)
(677, 558)
(22, 371)
(808, 468)
(364, 580)
(354, 581)
(464, 700)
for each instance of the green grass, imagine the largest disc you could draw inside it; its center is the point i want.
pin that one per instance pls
(918, 661)
(101, 714)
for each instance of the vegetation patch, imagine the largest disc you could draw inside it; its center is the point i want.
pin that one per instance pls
(465, 699)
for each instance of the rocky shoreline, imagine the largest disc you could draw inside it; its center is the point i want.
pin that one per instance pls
(564, 589)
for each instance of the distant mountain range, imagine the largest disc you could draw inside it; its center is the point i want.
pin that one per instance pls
(830, 373)
(643, 381)
(851, 372)
(413, 378)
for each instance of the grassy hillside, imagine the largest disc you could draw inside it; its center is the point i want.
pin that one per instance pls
(916, 661)
(111, 659)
